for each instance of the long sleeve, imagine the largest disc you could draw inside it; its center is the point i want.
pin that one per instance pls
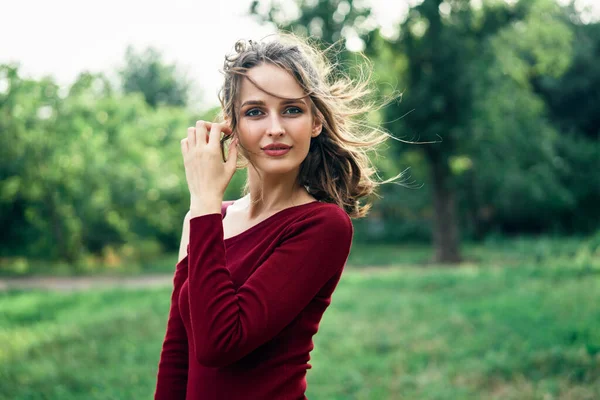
(173, 365)
(227, 324)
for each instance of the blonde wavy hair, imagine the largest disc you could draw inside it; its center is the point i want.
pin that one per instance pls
(337, 168)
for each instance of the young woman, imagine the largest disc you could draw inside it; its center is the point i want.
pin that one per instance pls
(257, 274)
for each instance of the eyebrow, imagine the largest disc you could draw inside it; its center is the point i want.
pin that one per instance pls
(262, 103)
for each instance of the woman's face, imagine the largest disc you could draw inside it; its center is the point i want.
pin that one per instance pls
(268, 120)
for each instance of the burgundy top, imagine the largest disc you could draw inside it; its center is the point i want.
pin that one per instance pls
(244, 309)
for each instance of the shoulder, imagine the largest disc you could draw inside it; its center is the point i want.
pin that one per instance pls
(322, 230)
(324, 219)
(332, 214)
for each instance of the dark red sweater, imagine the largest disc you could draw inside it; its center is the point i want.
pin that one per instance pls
(244, 309)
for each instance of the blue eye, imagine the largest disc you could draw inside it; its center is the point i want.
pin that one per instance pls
(295, 109)
(253, 112)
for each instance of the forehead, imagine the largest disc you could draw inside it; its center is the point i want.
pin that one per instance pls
(272, 79)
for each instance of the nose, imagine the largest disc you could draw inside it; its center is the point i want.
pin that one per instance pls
(275, 127)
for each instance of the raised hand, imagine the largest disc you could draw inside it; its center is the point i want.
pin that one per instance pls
(206, 174)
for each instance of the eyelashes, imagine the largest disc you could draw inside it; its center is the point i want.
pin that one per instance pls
(252, 112)
(255, 112)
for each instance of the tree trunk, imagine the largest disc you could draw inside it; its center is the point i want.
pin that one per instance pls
(445, 226)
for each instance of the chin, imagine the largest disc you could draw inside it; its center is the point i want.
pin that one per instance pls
(278, 167)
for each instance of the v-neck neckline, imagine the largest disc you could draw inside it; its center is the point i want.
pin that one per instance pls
(254, 227)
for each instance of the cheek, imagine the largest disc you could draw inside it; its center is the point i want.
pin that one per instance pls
(249, 133)
(301, 128)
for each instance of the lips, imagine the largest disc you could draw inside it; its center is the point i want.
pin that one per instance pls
(276, 146)
(276, 149)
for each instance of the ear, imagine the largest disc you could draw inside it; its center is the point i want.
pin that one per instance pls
(227, 122)
(317, 127)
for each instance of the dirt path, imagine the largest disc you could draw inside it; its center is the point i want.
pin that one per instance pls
(142, 281)
(82, 283)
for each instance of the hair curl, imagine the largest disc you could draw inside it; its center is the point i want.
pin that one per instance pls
(337, 168)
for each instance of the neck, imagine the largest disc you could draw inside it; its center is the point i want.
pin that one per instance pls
(272, 193)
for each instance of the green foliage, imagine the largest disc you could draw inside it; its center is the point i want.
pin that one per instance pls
(573, 103)
(410, 333)
(89, 171)
(510, 128)
(328, 21)
(160, 84)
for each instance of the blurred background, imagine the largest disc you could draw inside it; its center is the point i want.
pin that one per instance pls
(478, 278)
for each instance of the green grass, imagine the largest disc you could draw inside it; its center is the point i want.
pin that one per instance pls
(396, 333)
(500, 252)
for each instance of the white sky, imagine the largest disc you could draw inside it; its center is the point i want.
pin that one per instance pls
(64, 37)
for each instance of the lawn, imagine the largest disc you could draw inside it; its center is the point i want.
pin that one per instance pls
(475, 332)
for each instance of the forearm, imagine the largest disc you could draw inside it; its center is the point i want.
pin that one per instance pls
(173, 365)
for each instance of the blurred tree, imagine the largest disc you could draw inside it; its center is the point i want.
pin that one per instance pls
(328, 21)
(514, 183)
(467, 80)
(574, 101)
(573, 98)
(85, 168)
(160, 83)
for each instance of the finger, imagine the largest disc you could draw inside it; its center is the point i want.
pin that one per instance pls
(184, 146)
(201, 133)
(191, 137)
(225, 128)
(215, 134)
